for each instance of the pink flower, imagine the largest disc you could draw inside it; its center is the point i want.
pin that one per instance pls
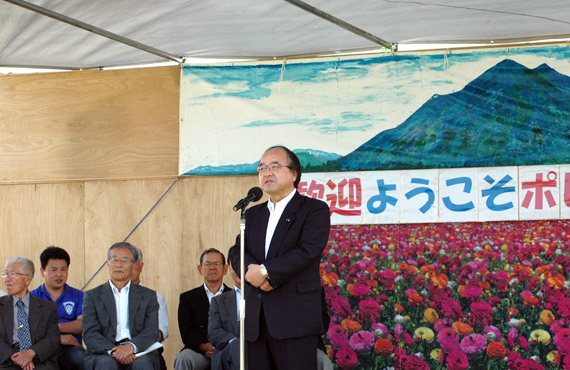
(457, 360)
(337, 336)
(341, 306)
(346, 358)
(562, 341)
(527, 364)
(448, 340)
(412, 363)
(378, 327)
(452, 309)
(493, 333)
(564, 308)
(474, 344)
(398, 331)
(481, 310)
(369, 308)
(362, 341)
(361, 290)
(472, 292)
(512, 337)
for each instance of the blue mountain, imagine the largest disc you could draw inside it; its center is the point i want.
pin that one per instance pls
(309, 158)
(509, 115)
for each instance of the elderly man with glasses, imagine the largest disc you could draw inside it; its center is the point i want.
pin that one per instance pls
(120, 319)
(29, 335)
(193, 312)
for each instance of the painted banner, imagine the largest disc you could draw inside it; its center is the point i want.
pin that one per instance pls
(507, 107)
(443, 195)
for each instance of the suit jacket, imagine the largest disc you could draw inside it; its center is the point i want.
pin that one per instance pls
(293, 307)
(223, 325)
(193, 317)
(100, 319)
(44, 331)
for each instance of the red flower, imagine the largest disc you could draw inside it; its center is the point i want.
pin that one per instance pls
(481, 310)
(346, 358)
(383, 347)
(496, 350)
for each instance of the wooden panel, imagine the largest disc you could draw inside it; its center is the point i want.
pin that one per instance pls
(33, 217)
(89, 125)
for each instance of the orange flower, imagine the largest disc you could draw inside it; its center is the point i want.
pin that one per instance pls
(415, 299)
(530, 300)
(427, 268)
(461, 290)
(330, 279)
(383, 347)
(556, 281)
(440, 281)
(430, 315)
(398, 307)
(350, 326)
(484, 285)
(350, 289)
(512, 311)
(496, 350)
(372, 283)
(547, 317)
(462, 328)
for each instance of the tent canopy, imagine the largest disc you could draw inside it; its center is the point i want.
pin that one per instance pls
(258, 29)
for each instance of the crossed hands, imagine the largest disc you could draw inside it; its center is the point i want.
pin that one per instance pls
(124, 354)
(24, 359)
(254, 277)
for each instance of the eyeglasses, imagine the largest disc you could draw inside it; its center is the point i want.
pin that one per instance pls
(215, 264)
(270, 167)
(11, 274)
(124, 261)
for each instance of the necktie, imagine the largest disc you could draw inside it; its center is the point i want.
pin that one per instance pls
(23, 327)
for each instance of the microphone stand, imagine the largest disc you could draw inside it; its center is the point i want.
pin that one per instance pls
(242, 289)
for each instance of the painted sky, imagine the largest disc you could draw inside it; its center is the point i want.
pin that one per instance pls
(230, 114)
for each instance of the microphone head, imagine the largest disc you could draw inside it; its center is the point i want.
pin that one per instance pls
(256, 193)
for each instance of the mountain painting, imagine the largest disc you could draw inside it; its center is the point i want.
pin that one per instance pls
(388, 112)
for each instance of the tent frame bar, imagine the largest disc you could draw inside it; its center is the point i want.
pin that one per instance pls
(99, 31)
(339, 22)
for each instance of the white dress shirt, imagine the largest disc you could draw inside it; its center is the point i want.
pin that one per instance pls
(122, 306)
(212, 295)
(275, 212)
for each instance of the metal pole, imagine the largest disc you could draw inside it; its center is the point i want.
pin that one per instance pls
(99, 31)
(242, 288)
(339, 22)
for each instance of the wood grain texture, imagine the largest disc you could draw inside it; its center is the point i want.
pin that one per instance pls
(33, 217)
(89, 125)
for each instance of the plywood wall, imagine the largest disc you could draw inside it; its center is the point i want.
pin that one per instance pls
(84, 156)
(89, 125)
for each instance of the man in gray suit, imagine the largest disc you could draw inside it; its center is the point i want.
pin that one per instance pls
(223, 320)
(120, 319)
(29, 335)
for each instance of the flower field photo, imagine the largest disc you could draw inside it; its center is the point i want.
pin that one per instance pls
(488, 295)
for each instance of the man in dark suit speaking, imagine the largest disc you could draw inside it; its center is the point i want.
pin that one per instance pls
(120, 319)
(284, 240)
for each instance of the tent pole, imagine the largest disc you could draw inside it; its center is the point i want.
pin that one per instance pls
(339, 22)
(99, 31)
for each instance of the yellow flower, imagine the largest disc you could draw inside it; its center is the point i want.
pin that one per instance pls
(541, 336)
(430, 315)
(435, 354)
(553, 357)
(547, 317)
(425, 334)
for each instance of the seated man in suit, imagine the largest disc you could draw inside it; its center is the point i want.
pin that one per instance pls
(163, 319)
(29, 335)
(223, 322)
(120, 319)
(193, 312)
(54, 268)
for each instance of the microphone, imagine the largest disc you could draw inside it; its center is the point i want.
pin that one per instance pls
(253, 195)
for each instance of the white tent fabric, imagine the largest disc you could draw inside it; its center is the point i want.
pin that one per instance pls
(259, 28)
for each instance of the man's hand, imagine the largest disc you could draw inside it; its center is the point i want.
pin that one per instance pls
(69, 340)
(207, 348)
(253, 276)
(24, 358)
(124, 354)
(266, 287)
